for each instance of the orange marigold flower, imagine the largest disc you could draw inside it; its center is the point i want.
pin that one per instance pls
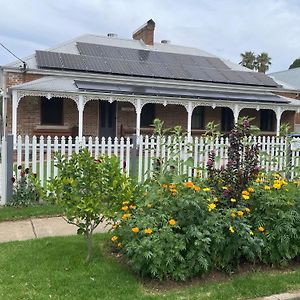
(189, 184)
(172, 186)
(245, 193)
(114, 238)
(164, 186)
(132, 206)
(197, 188)
(148, 230)
(261, 229)
(247, 209)
(172, 222)
(250, 189)
(124, 208)
(125, 217)
(240, 213)
(135, 229)
(125, 203)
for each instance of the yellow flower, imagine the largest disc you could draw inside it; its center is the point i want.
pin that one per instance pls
(211, 206)
(124, 208)
(197, 188)
(172, 222)
(132, 206)
(267, 188)
(114, 238)
(240, 213)
(276, 186)
(247, 209)
(245, 193)
(115, 226)
(250, 189)
(125, 203)
(120, 245)
(149, 205)
(125, 216)
(164, 186)
(148, 230)
(232, 200)
(246, 197)
(231, 229)
(251, 232)
(258, 180)
(261, 229)
(189, 184)
(224, 187)
(135, 229)
(216, 199)
(172, 186)
(232, 215)
(207, 189)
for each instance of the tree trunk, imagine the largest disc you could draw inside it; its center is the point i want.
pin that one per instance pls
(89, 243)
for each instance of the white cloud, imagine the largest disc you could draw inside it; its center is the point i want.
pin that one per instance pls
(225, 28)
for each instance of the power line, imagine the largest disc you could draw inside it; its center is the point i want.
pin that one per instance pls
(24, 63)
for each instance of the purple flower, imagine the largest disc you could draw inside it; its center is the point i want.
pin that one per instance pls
(246, 124)
(210, 163)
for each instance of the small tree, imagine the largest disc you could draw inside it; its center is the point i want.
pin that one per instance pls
(89, 191)
(295, 64)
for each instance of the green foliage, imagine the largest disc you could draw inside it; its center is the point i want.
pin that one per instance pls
(26, 189)
(88, 190)
(295, 64)
(260, 62)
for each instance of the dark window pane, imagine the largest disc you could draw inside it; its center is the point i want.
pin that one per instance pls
(227, 121)
(51, 111)
(148, 115)
(267, 120)
(198, 118)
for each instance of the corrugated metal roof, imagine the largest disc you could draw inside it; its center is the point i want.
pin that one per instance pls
(290, 77)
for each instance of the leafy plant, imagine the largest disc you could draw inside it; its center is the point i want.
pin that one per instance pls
(88, 190)
(26, 189)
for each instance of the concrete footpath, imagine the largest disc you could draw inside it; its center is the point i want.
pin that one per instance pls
(37, 228)
(34, 228)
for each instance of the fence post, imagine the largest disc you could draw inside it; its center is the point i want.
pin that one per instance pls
(134, 153)
(7, 169)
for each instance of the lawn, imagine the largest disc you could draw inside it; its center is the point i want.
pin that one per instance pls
(54, 268)
(8, 213)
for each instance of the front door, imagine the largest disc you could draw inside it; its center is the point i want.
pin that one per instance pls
(107, 119)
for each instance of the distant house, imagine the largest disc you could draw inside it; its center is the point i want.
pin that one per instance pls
(108, 86)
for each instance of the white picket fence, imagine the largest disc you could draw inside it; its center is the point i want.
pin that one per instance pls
(38, 154)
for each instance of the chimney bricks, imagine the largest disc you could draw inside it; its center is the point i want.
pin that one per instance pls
(145, 33)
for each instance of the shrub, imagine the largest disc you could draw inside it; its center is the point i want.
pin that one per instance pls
(87, 190)
(26, 189)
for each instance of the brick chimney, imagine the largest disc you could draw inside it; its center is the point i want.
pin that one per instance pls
(145, 33)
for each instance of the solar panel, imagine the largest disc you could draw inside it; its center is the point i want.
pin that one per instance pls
(96, 64)
(197, 73)
(217, 63)
(46, 59)
(72, 61)
(177, 71)
(216, 76)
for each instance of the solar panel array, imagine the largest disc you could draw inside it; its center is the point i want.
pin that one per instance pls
(170, 92)
(146, 63)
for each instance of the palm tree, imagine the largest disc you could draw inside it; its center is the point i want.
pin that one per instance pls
(248, 60)
(263, 62)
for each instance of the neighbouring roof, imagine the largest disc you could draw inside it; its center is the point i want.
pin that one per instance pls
(289, 77)
(111, 55)
(50, 83)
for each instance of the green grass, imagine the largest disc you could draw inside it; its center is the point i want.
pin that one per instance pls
(17, 213)
(54, 268)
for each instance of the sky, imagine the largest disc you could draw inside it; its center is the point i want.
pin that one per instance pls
(225, 28)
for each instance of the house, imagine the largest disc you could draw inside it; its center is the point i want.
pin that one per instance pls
(108, 86)
(290, 79)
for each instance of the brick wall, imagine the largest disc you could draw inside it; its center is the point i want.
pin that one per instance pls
(19, 78)
(90, 118)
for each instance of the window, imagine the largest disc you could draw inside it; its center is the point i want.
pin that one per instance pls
(148, 115)
(227, 121)
(198, 118)
(51, 111)
(267, 120)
